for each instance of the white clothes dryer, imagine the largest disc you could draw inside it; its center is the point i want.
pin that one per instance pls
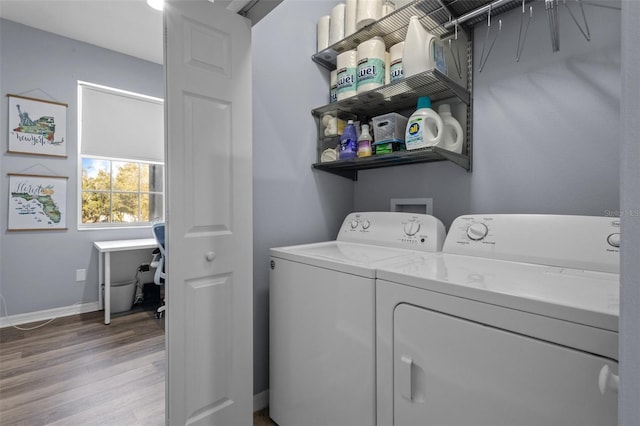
(322, 317)
(514, 323)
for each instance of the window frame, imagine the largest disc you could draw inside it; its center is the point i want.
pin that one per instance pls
(80, 190)
(139, 193)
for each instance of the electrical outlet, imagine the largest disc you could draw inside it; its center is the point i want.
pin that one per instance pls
(81, 274)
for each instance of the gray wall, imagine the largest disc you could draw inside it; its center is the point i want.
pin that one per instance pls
(546, 130)
(292, 204)
(630, 208)
(38, 267)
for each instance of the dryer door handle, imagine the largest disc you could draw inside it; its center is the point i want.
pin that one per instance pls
(405, 377)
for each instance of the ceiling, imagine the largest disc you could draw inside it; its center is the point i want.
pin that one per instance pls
(126, 26)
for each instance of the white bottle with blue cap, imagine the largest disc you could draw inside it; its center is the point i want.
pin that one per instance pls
(425, 127)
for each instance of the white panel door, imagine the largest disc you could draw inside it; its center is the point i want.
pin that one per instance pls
(209, 287)
(450, 371)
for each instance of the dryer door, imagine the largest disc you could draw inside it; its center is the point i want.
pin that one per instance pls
(451, 371)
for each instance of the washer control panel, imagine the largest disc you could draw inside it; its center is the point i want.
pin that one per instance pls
(584, 242)
(394, 229)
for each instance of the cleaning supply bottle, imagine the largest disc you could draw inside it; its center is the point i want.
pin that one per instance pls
(453, 134)
(425, 127)
(364, 142)
(421, 49)
(348, 141)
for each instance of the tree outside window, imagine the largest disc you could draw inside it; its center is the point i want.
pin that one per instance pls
(121, 192)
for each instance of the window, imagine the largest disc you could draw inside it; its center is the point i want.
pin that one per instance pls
(121, 157)
(121, 192)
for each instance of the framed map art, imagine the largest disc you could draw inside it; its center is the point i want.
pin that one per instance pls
(37, 126)
(37, 202)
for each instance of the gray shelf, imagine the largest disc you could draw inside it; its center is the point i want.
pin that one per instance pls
(349, 168)
(435, 16)
(399, 95)
(439, 17)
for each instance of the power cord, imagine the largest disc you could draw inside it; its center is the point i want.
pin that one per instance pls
(17, 327)
(139, 298)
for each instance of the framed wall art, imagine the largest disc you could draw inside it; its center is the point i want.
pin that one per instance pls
(37, 202)
(37, 126)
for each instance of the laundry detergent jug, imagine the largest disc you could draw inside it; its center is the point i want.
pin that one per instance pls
(453, 134)
(422, 50)
(425, 127)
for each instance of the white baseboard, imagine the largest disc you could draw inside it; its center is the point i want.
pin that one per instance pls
(260, 400)
(45, 315)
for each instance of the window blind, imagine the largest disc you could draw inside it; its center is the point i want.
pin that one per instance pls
(121, 124)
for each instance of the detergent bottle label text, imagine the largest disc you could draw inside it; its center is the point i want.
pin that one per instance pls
(414, 133)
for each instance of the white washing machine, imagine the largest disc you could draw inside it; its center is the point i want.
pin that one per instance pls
(322, 317)
(514, 323)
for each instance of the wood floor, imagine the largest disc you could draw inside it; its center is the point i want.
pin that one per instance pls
(77, 371)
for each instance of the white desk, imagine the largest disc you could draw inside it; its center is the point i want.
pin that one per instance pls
(105, 248)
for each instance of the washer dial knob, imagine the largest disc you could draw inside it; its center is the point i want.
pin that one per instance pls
(366, 224)
(477, 231)
(411, 228)
(354, 224)
(614, 239)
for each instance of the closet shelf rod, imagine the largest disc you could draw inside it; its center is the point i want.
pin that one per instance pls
(476, 12)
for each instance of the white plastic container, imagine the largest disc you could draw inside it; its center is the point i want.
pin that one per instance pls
(425, 127)
(389, 127)
(453, 135)
(422, 50)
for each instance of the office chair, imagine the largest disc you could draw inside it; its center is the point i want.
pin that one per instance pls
(158, 262)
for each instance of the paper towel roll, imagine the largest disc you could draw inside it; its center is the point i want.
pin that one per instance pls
(387, 68)
(395, 65)
(371, 64)
(388, 7)
(347, 68)
(351, 9)
(401, 3)
(333, 86)
(367, 12)
(322, 32)
(336, 26)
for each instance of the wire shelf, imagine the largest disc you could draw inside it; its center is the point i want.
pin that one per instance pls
(349, 168)
(433, 14)
(399, 95)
